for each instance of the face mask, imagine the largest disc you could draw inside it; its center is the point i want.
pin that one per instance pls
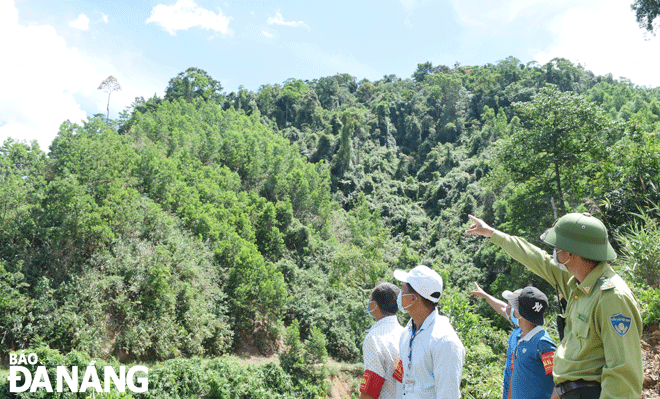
(367, 310)
(561, 266)
(400, 305)
(513, 318)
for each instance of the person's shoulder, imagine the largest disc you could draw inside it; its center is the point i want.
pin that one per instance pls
(613, 288)
(393, 331)
(398, 329)
(370, 337)
(544, 339)
(443, 331)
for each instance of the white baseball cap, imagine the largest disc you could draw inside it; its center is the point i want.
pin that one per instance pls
(423, 280)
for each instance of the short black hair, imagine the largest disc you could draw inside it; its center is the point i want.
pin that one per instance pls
(384, 294)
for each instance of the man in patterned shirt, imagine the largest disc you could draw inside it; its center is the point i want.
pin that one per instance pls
(381, 345)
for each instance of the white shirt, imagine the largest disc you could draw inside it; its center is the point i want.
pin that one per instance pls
(433, 363)
(381, 352)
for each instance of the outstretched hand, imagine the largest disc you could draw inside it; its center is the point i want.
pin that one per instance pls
(478, 292)
(479, 228)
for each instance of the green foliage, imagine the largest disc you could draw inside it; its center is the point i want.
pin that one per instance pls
(641, 248)
(550, 152)
(485, 346)
(193, 83)
(646, 11)
(305, 362)
(649, 299)
(13, 304)
(209, 222)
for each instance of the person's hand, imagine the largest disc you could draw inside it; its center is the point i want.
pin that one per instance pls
(478, 292)
(479, 228)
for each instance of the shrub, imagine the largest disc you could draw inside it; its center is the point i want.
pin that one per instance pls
(641, 248)
(649, 300)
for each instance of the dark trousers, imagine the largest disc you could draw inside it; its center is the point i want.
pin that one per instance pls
(583, 393)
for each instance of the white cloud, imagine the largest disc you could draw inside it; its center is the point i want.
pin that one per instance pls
(186, 14)
(279, 20)
(489, 15)
(104, 18)
(81, 23)
(44, 75)
(50, 80)
(605, 39)
(267, 34)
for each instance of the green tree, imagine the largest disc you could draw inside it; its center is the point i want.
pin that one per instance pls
(287, 101)
(422, 71)
(194, 83)
(646, 11)
(559, 135)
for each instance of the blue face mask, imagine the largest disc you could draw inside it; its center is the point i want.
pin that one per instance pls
(400, 305)
(513, 318)
(367, 309)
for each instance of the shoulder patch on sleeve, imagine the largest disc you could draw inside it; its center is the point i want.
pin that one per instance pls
(605, 283)
(620, 323)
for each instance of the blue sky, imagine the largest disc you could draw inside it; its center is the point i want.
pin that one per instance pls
(60, 51)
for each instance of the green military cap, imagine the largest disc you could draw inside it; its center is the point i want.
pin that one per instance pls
(580, 234)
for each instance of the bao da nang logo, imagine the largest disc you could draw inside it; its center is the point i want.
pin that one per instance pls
(21, 379)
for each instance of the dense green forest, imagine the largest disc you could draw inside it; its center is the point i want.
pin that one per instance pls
(206, 223)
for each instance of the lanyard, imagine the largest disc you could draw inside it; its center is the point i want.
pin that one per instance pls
(412, 337)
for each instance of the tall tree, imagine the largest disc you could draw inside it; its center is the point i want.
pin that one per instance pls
(194, 83)
(559, 134)
(109, 85)
(422, 71)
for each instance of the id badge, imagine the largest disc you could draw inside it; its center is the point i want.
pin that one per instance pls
(409, 386)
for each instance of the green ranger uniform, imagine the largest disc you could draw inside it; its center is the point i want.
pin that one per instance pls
(603, 324)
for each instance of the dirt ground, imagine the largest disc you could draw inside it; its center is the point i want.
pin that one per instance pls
(651, 362)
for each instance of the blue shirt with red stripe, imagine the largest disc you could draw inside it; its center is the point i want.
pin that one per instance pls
(532, 366)
(513, 341)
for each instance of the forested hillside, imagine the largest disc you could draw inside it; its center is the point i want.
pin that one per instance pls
(208, 223)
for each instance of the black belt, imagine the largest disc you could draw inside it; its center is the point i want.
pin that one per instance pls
(568, 386)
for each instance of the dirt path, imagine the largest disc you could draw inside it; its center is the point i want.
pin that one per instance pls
(651, 362)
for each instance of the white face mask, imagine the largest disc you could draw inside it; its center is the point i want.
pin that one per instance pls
(399, 298)
(561, 266)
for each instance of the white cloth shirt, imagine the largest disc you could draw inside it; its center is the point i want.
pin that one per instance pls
(381, 352)
(433, 363)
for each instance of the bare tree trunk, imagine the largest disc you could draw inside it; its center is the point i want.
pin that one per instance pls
(107, 118)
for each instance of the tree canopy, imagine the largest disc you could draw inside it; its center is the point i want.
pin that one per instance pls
(194, 83)
(205, 223)
(646, 11)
